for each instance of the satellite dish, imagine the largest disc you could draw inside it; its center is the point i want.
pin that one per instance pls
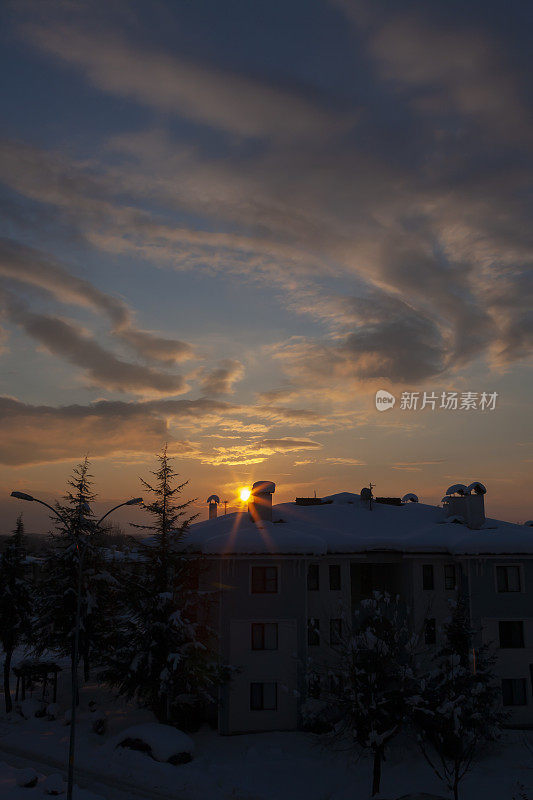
(457, 488)
(457, 518)
(529, 523)
(213, 498)
(366, 494)
(410, 498)
(477, 488)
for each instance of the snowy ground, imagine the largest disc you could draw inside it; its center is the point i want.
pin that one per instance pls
(270, 766)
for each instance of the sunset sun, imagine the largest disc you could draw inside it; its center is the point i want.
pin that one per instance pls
(244, 494)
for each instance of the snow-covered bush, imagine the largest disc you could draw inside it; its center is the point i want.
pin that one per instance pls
(27, 778)
(161, 742)
(54, 784)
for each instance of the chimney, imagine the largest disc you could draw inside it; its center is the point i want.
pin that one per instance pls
(260, 502)
(468, 503)
(213, 501)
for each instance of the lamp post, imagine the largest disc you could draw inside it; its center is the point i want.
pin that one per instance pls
(83, 507)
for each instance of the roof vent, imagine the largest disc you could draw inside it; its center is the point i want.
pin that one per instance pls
(458, 488)
(260, 502)
(467, 502)
(213, 501)
(410, 497)
(477, 488)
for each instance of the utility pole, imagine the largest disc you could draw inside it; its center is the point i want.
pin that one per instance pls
(225, 506)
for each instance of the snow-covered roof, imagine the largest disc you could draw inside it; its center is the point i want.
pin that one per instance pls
(347, 525)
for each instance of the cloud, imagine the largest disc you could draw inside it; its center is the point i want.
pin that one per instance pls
(415, 466)
(288, 443)
(29, 266)
(222, 379)
(405, 348)
(405, 240)
(204, 94)
(67, 340)
(451, 69)
(256, 452)
(34, 434)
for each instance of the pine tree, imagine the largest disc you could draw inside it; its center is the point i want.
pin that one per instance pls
(160, 652)
(15, 601)
(76, 539)
(375, 672)
(458, 705)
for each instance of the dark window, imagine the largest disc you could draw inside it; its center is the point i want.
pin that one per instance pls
(313, 632)
(449, 576)
(314, 685)
(263, 696)
(508, 579)
(511, 634)
(264, 635)
(428, 581)
(335, 631)
(264, 580)
(514, 692)
(335, 577)
(430, 631)
(313, 578)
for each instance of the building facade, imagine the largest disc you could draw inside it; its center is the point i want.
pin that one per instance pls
(288, 580)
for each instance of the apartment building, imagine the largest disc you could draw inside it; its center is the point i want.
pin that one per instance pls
(290, 575)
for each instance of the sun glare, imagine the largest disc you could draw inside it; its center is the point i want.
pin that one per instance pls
(244, 494)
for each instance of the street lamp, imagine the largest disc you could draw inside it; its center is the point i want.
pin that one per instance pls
(83, 506)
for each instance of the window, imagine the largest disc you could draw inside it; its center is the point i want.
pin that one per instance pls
(428, 581)
(314, 685)
(430, 631)
(313, 632)
(264, 580)
(335, 577)
(511, 634)
(263, 696)
(514, 692)
(450, 581)
(335, 631)
(264, 635)
(335, 685)
(313, 578)
(508, 579)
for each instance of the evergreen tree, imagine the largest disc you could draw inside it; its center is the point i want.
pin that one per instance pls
(375, 673)
(458, 706)
(15, 601)
(76, 540)
(161, 651)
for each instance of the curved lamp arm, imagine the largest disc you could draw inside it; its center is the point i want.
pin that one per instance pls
(24, 496)
(136, 501)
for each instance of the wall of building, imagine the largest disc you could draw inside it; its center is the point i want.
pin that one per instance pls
(489, 607)
(239, 608)
(294, 604)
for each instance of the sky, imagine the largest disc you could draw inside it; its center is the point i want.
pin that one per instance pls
(226, 226)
